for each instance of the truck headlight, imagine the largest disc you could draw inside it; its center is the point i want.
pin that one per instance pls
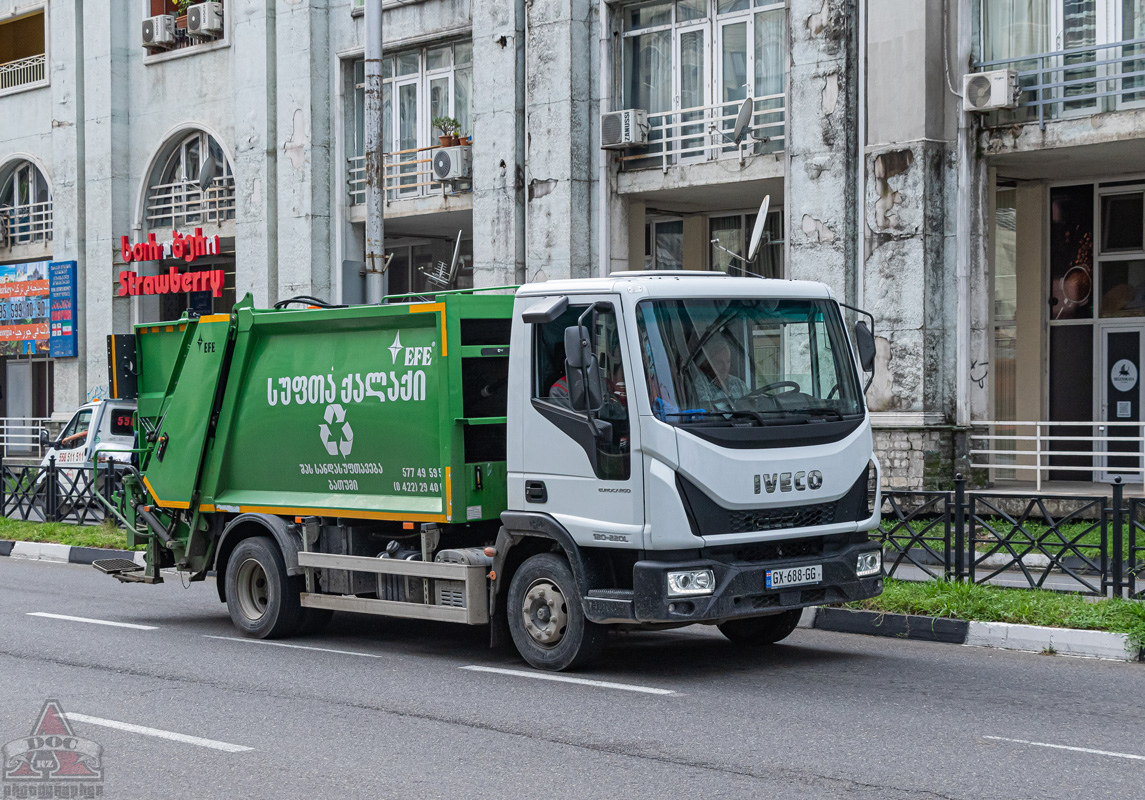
(869, 564)
(691, 582)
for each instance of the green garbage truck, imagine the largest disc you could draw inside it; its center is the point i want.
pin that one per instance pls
(646, 450)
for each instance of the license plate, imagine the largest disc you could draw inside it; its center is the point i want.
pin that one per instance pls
(794, 576)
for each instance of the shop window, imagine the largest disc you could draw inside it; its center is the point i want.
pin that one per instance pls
(194, 187)
(410, 263)
(23, 56)
(1121, 261)
(664, 244)
(1071, 253)
(733, 232)
(25, 206)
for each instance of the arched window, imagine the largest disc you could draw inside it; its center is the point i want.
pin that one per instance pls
(175, 198)
(25, 206)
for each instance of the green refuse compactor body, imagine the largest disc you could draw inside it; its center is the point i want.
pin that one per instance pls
(389, 419)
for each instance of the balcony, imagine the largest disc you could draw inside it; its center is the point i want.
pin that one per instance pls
(408, 175)
(183, 204)
(23, 72)
(26, 225)
(703, 133)
(1074, 83)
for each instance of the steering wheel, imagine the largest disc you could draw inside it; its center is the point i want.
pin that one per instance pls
(790, 386)
(831, 393)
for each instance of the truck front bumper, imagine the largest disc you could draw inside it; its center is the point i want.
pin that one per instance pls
(740, 590)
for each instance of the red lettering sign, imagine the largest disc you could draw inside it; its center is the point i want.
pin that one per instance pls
(186, 248)
(171, 282)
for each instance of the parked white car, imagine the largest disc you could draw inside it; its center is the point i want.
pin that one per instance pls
(106, 426)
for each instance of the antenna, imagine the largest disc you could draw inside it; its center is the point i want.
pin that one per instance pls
(756, 239)
(757, 230)
(442, 275)
(743, 119)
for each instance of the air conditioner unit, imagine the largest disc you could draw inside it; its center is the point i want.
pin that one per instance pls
(205, 20)
(452, 164)
(159, 31)
(621, 129)
(989, 91)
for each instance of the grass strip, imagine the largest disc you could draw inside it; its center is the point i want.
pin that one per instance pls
(983, 603)
(103, 536)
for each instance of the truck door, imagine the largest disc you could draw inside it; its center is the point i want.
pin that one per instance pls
(590, 482)
(71, 448)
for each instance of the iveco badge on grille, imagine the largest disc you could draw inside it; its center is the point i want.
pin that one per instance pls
(789, 481)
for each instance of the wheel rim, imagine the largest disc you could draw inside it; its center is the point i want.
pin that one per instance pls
(544, 613)
(253, 590)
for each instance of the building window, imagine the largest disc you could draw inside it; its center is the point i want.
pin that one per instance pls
(25, 206)
(691, 63)
(177, 196)
(733, 232)
(664, 244)
(418, 86)
(191, 23)
(23, 56)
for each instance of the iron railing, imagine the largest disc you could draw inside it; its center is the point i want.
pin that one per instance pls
(20, 436)
(27, 224)
(1087, 544)
(703, 133)
(1075, 82)
(1065, 447)
(53, 493)
(408, 175)
(179, 205)
(23, 71)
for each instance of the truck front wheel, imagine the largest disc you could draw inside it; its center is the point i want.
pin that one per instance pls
(545, 616)
(263, 600)
(757, 631)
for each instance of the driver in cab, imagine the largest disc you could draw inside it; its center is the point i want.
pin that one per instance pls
(716, 387)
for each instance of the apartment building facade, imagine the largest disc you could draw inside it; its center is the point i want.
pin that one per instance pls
(180, 165)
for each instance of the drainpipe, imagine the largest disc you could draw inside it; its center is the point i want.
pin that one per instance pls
(375, 169)
(604, 218)
(861, 165)
(962, 238)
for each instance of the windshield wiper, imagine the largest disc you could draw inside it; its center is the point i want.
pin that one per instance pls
(700, 412)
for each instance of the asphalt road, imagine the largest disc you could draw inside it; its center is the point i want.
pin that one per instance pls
(396, 714)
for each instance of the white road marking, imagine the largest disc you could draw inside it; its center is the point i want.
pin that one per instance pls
(226, 747)
(545, 676)
(292, 646)
(1065, 747)
(93, 621)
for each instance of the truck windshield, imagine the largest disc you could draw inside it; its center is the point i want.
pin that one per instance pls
(747, 361)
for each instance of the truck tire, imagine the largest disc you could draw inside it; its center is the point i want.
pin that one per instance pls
(757, 631)
(263, 600)
(546, 620)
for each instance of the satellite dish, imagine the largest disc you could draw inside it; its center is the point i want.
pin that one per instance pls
(757, 230)
(207, 172)
(743, 119)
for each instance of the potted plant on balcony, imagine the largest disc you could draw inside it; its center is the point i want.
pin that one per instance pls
(448, 127)
(182, 6)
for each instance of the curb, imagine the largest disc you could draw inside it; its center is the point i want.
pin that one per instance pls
(1000, 635)
(63, 553)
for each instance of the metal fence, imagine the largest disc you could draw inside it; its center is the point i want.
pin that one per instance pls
(54, 493)
(23, 71)
(20, 436)
(1076, 82)
(408, 175)
(1088, 544)
(27, 224)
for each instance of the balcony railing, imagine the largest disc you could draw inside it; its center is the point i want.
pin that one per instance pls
(1076, 82)
(22, 72)
(1017, 449)
(30, 224)
(408, 175)
(703, 133)
(178, 205)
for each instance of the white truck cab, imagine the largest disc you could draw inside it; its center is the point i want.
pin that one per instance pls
(104, 426)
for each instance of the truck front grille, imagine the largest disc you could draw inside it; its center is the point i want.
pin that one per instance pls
(777, 551)
(772, 519)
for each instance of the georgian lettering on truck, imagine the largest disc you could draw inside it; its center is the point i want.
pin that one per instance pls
(645, 450)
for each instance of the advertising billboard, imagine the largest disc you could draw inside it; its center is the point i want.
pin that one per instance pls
(37, 308)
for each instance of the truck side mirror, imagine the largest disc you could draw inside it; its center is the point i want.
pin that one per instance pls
(581, 370)
(45, 440)
(865, 342)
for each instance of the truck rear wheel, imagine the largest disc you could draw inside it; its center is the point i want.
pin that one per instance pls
(263, 600)
(757, 631)
(546, 620)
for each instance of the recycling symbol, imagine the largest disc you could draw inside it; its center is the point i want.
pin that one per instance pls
(336, 415)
